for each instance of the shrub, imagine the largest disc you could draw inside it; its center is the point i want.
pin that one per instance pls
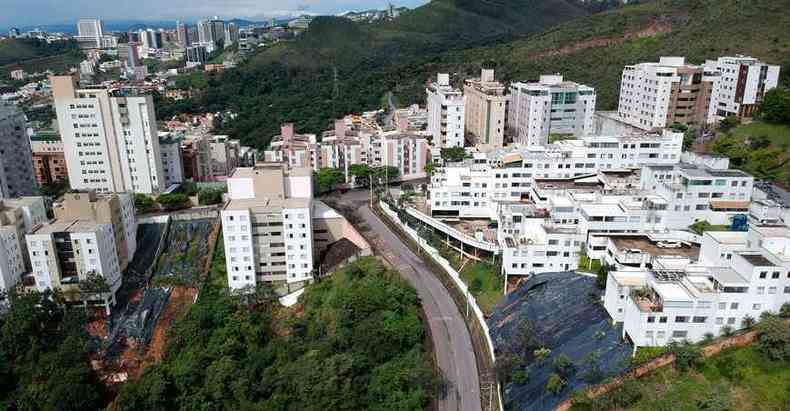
(555, 384)
(541, 353)
(687, 355)
(727, 331)
(143, 203)
(520, 376)
(210, 196)
(173, 201)
(708, 338)
(748, 321)
(563, 365)
(784, 312)
(774, 339)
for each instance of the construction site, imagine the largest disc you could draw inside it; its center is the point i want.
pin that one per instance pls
(160, 284)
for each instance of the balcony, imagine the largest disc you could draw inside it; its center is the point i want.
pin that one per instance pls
(647, 300)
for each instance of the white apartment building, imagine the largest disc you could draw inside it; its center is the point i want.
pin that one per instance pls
(172, 159)
(733, 280)
(549, 106)
(656, 95)
(110, 139)
(17, 177)
(64, 253)
(17, 218)
(474, 188)
(743, 81)
(486, 106)
(267, 226)
(695, 192)
(446, 113)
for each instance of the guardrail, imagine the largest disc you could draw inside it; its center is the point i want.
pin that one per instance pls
(465, 301)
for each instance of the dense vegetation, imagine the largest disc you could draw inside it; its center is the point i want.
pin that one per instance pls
(37, 55)
(356, 343)
(338, 67)
(45, 357)
(755, 377)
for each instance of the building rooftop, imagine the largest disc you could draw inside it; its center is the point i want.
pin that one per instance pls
(727, 276)
(757, 259)
(66, 226)
(629, 278)
(268, 204)
(728, 237)
(672, 292)
(653, 247)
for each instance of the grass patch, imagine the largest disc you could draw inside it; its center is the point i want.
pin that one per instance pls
(737, 379)
(777, 134)
(484, 283)
(702, 226)
(584, 265)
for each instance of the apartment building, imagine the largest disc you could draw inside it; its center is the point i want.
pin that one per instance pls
(474, 188)
(110, 138)
(267, 225)
(549, 106)
(49, 162)
(196, 155)
(695, 192)
(412, 118)
(65, 253)
(17, 177)
(224, 156)
(734, 280)
(446, 113)
(17, 218)
(656, 95)
(486, 106)
(115, 209)
(296, 150)
(172, 160)
(743, 81)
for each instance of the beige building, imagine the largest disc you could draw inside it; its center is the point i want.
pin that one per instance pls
(486, 105)
(117, 210)
(274, 231)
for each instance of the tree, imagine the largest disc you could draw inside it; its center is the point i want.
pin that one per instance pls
(210, 196)
(555, 384)
(774, 339)
(601, 275)
(388, 173)
(784, 311)
(729, 123)
(430, 167)
(173, 201)
(563, 365)
(143, 204)
(687, 355)
(775, 107)
(748, 321)
(453, 154)
(541, 353)
(327, 178)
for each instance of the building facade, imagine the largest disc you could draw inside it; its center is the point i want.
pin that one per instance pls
(110, 139)
(486, 106)
(172, 160)
(549, 106)
(743, 81)
(49, 162)
(446, 113)
(17, 218)
(17, 177)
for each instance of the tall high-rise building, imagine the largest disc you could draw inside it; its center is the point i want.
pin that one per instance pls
(151, 39)
(110, 139)
(656, 95)
(91, 35)
(445, 113)
(17, 177)
(549, 106)
(211, 32)
(182, 32)
(231, 34)
(486, 106)
(90, 28)
(743, 81)
(196, 54)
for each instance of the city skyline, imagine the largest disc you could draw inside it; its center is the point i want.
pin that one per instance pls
(19, 13)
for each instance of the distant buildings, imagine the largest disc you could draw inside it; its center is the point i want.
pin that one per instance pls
(486, 106)
(49, 161)
(196, 155)
(17, 177)
(656, 95)
(182, 33)
(445, 113)
(110, 138)
(224, 156)
(549, 106)
(211, 32)
(196, 55)
(172, 159)
(91, 35)
(743, 81)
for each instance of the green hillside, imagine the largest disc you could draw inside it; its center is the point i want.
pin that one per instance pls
(36, 55)
(339, 67)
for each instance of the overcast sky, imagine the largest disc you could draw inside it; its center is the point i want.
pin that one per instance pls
(32, 12)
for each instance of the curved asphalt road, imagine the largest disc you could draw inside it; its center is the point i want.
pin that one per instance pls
(453, 350)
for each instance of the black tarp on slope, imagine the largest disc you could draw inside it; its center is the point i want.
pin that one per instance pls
(560, 311)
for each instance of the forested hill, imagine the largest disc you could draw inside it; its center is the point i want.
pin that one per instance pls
(338, 67)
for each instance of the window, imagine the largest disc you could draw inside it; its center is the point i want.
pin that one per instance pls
(771, 290)
(651, 319)
(719, 320)
(775, 275)
(734, 306)
(763, 274)
(679, 334)
(662, 320)
(699, 320)
(681, 319)
(722, 306)
(760, 290)
(755, 306)
(731, 320)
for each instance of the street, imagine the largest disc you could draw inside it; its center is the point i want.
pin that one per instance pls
(454, 353)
